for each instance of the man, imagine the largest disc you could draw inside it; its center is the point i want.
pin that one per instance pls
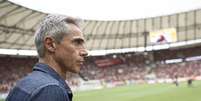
(60, 46)
(176, 82)
(190, 81)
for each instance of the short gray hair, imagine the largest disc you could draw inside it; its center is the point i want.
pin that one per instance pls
(54, 26)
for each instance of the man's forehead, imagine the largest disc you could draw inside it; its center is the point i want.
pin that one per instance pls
(75, 30)
(75, 33)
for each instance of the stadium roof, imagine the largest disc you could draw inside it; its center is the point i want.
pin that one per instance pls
(18, 24)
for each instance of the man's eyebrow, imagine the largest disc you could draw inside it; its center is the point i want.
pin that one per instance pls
(79, 39)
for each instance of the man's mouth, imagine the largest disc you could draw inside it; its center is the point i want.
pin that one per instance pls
(81, 63)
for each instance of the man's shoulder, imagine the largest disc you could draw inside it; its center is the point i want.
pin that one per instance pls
(36, 81)
(31, 85)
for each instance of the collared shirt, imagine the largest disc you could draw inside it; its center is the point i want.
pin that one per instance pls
(43, 84)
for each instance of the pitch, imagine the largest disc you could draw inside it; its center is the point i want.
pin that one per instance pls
(153, 92)
(145, 92)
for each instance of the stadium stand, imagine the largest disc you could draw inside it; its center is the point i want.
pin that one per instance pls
(131, 69)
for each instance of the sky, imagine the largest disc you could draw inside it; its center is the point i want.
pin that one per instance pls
(111, 9)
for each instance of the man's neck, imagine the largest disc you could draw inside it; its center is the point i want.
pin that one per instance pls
(52, 64)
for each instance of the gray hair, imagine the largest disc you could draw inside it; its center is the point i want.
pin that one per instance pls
(54, 26)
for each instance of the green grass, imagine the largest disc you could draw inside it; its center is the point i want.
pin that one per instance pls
(155, 92)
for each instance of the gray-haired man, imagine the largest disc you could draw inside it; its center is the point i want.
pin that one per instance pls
(60, 46)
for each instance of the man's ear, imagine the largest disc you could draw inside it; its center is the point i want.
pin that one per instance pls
(50, 44)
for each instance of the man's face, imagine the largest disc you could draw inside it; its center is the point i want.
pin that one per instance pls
(70, 52)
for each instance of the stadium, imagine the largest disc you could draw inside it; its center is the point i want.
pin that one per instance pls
(147, 59)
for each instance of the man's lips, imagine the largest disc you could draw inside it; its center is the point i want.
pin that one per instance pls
(81, 62)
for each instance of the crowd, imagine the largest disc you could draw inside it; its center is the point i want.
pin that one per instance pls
(184, 69)
(133, 67)
(12, 69)
(140, 71)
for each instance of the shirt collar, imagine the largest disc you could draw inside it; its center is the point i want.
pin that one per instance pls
(47, 69)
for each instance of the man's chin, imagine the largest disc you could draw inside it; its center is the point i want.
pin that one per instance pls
(76, 70)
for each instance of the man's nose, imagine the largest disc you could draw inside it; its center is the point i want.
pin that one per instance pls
(83, 53)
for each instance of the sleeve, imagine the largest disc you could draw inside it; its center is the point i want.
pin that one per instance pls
(51, 93)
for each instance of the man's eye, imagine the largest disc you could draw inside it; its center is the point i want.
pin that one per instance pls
(77, 42)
